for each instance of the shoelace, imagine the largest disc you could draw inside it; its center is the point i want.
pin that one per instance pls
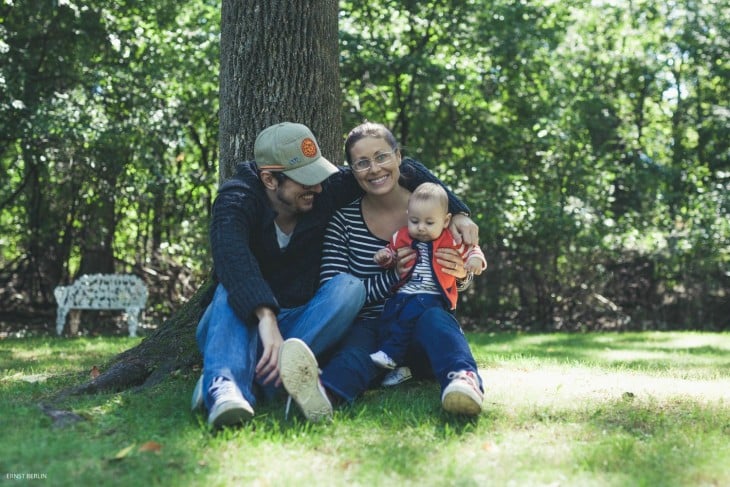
(465, 376)
(219, 387)
(286, 411)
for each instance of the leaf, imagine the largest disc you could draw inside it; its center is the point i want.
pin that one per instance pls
(124, 452)
(94, 372)
(152, 446)
(490, 446)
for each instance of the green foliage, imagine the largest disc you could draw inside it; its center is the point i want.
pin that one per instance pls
(111, 139)
(591, 140)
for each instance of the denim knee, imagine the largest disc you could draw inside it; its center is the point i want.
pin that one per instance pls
(350, 288)
(220, 298)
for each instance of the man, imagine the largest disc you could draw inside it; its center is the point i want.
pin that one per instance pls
(266, 236)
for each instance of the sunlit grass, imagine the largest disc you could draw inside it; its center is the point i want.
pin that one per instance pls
(580, 410)
(58, 356)
(680, 354)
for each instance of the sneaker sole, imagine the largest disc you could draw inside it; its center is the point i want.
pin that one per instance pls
(458, 402)
(230, 413)
(196, 403)
(299, 373)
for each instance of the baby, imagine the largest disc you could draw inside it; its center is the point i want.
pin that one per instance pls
(424, 284)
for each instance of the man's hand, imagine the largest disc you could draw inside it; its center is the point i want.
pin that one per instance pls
(267, 368)
(464, 230)
(384, 258)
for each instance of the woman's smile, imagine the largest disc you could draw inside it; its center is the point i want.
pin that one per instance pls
(380, 180)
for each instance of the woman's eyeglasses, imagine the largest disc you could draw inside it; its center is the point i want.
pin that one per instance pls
(382, 159)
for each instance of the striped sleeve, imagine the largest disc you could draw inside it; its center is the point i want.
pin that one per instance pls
(473, 251)
(334, 259)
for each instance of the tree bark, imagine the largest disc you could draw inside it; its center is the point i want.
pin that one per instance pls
(279, 62)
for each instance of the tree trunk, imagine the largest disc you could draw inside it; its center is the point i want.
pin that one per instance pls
(279, 62)
(97, 238)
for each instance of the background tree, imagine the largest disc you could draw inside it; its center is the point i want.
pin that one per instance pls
(572, 129)
(109, 143)
(288, 71)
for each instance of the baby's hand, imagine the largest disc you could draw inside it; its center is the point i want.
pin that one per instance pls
(384, 258)
(474, 265)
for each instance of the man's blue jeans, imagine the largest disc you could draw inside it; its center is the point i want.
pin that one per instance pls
(231, 348)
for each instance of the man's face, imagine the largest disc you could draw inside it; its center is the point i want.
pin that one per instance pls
(293, 198)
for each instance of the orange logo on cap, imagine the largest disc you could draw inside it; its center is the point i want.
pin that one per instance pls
(309, 147)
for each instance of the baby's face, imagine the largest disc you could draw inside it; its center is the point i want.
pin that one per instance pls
(426, 220)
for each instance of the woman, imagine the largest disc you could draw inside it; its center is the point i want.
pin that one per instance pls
(354, 235)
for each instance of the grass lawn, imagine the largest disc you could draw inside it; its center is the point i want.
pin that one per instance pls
(649, 409)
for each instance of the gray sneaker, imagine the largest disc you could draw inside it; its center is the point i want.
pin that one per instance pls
(462, 395)
(229, 406)
(300, 375)
(383, 360)
(196, 403)
(397, 376)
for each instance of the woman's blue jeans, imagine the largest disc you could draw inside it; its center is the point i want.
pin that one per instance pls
(231, 348)
(439, 347)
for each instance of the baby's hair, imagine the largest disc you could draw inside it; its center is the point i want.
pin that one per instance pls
(431, 192)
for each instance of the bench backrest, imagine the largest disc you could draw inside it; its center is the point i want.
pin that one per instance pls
(103, 291)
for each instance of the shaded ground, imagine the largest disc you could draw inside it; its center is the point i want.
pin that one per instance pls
(42, 323)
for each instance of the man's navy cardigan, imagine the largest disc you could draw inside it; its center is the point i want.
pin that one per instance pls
(247, 259)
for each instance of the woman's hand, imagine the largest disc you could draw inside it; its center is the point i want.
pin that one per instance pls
(464, 230)
(451, 262)
(405, 259)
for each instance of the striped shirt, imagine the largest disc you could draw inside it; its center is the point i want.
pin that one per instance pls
(421, 280)
(349, 247)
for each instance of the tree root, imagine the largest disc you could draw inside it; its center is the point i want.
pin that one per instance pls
(171, 347)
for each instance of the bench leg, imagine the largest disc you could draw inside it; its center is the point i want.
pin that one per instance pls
(60, 319)
(132, 320)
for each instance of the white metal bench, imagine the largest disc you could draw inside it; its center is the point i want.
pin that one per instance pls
(102, 291)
